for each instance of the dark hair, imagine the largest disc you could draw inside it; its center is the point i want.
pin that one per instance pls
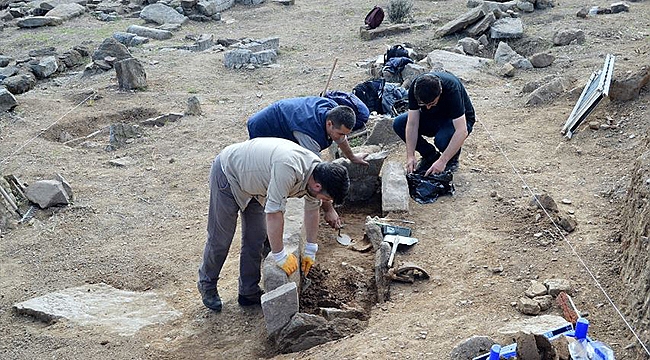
(334, 180)
(427, 88)
(342, 115)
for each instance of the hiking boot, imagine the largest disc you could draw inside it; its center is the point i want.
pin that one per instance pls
(452, 165)
(250, 300)
(425, 163)
(211, 299)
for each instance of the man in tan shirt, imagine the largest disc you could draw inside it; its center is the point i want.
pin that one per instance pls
(255, 178)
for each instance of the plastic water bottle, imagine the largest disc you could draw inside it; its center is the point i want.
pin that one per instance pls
(583, 349)
(495, 351)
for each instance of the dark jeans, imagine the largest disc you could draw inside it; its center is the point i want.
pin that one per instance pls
(441, 131)
(222, 222)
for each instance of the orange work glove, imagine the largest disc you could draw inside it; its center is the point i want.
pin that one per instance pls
(308, 257)
(286, 262)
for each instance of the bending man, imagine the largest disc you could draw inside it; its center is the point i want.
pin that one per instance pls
(313, 122)
(439, 107)
(255, 178)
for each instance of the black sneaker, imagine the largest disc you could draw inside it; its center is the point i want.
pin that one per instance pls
(250, 300)
(425, 163)
(211, 299)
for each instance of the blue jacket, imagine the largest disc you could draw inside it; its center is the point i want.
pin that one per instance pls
(304, 114)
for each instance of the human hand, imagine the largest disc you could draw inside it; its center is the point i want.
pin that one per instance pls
(360, 159)
(437, 167)
(308, 257)
(332, 218)
(286, 262)
(410, 164)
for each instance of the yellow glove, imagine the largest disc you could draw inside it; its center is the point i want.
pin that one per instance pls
(286, 262)
(308, 257)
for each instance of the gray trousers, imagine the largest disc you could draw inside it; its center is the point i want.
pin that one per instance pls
(222, 222)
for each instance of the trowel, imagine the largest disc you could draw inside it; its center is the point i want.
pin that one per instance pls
(343, 239)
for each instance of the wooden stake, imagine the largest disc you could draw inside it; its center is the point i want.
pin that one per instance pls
(330, 77)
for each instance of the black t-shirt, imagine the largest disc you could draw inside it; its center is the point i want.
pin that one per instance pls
(453, 102)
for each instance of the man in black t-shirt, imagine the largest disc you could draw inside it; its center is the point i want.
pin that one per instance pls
(439, 107)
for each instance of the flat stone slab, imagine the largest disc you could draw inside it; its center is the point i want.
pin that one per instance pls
(120, 311)
(534, 325)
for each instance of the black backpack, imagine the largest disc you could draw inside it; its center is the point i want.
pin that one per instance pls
(371, 92)
(395, 51)
(374, 17)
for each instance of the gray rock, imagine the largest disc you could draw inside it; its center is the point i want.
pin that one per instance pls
(193, 106)
(124, 38)
(130, 74)
(67, 11)
(461, 22)
(162, 120)
(528, 306)
(535, 325)
(481, 26)
(71, 59)
(8, 71)
(567, 36)
(47, 193)
(471, 348)
(544, 4)
(305, 331)
(222, 5)
(149, 32)
(545, 302)
(566, 222)
(545, 94)
(470, 45)
(207, 8)
(39, 21)
(264, 57)
(162, 14)
(536, 289)
(394, 188)
(541, 60)
(555, 286)
(65, 184)
(111, 48)
(45, 67)
(507, 28)
(457, 64)
(410, 72)
(20, 83)
(506, 70)
(626, 85)
(544, 201)
(525, 6)
(237, 57)
(101, 306)
(279, 306)
(364, 180)
(618, 7)
(119, 134)
(5, 60)
(7, 100)
(505, 54)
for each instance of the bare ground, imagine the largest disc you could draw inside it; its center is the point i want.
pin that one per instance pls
(142, 227)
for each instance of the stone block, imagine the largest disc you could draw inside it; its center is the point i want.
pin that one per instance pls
(394, 188)
(279, 305)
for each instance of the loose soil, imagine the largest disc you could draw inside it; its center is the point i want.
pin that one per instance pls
(142, 227)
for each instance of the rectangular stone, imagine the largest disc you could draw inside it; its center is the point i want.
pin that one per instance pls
(279, 306)
(394, 188)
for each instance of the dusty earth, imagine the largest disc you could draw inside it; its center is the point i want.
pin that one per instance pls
(142, 227)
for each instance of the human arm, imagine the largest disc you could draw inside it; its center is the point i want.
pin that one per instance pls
(457, 140)
(412, 126)
(344, 145)
(331, 216)
(274, 231)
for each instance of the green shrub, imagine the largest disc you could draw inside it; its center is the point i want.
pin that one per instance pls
(399, 10)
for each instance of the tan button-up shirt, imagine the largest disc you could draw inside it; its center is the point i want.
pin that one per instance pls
(269, 170)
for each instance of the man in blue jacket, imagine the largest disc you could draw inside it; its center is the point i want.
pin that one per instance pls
(313, 122)
(439, 107)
